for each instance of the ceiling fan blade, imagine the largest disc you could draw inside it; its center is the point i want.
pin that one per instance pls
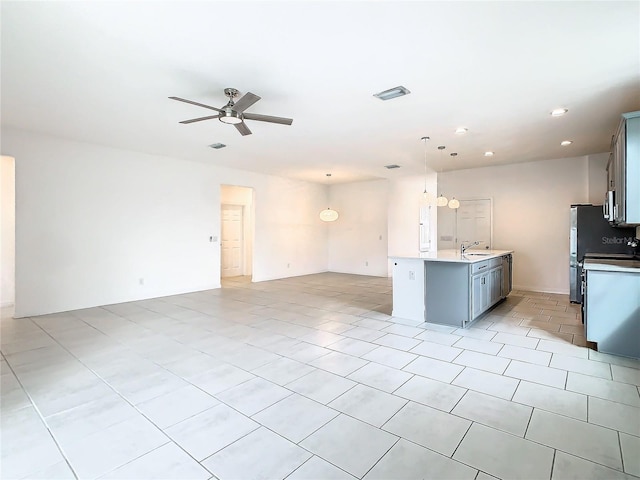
(245, 102)
(267, 118)
(195, 103)
(243, 129)
(200, 119)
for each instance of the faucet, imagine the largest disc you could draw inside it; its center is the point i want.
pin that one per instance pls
(464, 249)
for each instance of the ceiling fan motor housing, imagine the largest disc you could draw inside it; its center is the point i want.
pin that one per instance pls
(231, 92)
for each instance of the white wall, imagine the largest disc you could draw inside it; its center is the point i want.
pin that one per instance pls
(531, 204)
(358, 239)
(92, 221)
(7, 240)
(597, 177)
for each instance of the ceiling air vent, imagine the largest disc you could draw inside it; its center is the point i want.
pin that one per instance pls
(391, 167)
(398, 91)
(217, 146)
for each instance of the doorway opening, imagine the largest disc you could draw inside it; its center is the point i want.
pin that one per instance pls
(236, 234)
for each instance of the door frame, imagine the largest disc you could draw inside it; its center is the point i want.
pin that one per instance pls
(455, 224)
(245, 197)
(242, 238)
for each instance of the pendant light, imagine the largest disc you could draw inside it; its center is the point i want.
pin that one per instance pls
(427, 198)
(424, 237)
(328, 215)
(453, 203)
(442, 200)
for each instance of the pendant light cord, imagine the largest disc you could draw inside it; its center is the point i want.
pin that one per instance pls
(425, 163)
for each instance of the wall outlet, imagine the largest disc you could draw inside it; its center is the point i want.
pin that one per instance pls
(412, 275)
(366, 264)
(141, 281)
(288, 265)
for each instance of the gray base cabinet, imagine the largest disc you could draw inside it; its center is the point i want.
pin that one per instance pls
(612, 311)
(458, 294)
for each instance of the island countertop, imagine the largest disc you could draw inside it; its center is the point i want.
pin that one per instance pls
(470, 256)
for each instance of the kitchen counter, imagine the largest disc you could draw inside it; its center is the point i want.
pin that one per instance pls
(608, 265)
(448, 288)
(470, 256)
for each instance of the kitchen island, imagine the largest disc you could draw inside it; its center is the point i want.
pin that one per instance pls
(611, 305)
(448, 287)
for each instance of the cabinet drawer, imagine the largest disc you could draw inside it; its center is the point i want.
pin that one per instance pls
(479, 267)
(495, 262)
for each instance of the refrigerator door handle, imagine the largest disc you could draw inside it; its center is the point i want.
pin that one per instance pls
(611, 208)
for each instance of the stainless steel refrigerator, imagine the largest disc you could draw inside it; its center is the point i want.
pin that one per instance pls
(591, 234)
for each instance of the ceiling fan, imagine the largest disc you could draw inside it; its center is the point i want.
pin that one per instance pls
(234, 112)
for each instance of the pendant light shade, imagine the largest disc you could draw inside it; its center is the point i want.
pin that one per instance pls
(453, 203)
(328, 215)
(442, 201)
(427, 199)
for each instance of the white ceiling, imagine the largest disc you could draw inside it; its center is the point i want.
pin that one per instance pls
(101, 72)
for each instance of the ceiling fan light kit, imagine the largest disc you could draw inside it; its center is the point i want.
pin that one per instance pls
(230, 116)
(233, 112)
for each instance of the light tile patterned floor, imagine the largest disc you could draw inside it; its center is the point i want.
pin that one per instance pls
(310, 377)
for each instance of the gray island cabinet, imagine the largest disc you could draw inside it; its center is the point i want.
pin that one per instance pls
(450, 288)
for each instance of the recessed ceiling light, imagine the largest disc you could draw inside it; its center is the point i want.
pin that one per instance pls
(558, 112)
(488, 154)
(461, 130)
(398, 91)
(564, 143)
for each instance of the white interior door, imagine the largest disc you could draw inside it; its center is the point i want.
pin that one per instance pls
(232, 242)
(473, 222)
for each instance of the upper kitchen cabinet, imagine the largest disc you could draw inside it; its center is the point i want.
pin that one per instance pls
(622, 206)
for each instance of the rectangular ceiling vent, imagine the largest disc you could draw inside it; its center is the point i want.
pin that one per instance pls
(217, 146)
(392, 93)
(391, 167)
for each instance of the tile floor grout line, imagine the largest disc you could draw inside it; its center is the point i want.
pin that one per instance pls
(44, 422)
(383, 455)
(553, 463)
(472, 422)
